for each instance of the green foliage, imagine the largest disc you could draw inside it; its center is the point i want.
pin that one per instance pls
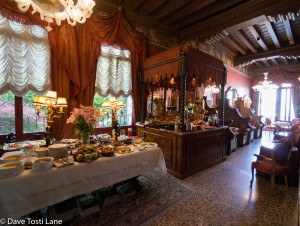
(8, 97)
(82, 126)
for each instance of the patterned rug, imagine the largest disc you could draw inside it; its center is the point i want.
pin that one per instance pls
(158, 193)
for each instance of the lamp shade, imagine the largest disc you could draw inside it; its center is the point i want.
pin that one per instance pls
(113, 100)
(39, 101)
(51, 94)
(61, 102)
(106, 105)
(120, 104)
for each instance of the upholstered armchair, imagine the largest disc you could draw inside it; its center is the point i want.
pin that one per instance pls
(273, 160)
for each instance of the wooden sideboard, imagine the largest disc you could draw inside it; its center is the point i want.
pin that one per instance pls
(187, 153)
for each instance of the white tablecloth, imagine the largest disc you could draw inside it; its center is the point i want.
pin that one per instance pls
(282, 124)
(32, 191)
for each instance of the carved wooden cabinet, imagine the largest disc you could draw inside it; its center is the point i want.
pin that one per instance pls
(187, 153)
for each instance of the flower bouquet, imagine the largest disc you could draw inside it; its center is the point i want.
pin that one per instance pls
(85, 119)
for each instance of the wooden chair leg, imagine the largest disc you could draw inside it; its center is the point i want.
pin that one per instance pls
(251, 182)
(285, 181)
(273, 182)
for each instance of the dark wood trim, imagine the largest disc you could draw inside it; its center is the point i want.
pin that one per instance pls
(162, 63)
(271, 53)
(258, 38)
(135, 18)
(289, 33)
(143, 96)
(272, 34)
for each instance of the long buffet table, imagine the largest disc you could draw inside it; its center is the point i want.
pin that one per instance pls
(32, 191)
(187, 153)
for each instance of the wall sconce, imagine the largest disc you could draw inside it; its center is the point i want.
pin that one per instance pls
(51, 102)
(113, 105)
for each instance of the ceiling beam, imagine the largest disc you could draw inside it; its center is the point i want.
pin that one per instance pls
(258, 38)
(243, 38)
(168, 8)
(150, 6)
(288, 30)
(135, 18)
(285, 60)
(272, 34)
(275, 61)
(268, 54)
(210, 10)
(186, 11)
(248, 23)
(236, 15)
(266, 63)
(294, 66)
(234, 44)
(224, 48)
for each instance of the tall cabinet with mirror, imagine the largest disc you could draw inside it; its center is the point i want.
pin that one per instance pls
(172, 91)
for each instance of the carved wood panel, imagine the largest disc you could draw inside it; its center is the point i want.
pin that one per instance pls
(199, 154)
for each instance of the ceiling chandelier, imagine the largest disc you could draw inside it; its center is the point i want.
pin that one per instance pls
(264, 85)
(74, 11)
(211, 88)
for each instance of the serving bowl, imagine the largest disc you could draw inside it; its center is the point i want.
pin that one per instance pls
(42, 152)
(11, 169)
(11, 158)
(43, 163)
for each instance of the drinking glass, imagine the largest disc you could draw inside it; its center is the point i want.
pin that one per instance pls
(122, 132)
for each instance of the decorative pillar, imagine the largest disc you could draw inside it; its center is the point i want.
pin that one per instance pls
(183, 71)
(223, 96)
(152, 91)
(143, 96)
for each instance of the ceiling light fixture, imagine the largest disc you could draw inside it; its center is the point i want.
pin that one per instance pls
(59, 10)
(264, 85)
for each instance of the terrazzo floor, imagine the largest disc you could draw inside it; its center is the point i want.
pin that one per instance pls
(223, 197)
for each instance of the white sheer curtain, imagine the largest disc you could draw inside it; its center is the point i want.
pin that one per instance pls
(24, 58)
(113, 72)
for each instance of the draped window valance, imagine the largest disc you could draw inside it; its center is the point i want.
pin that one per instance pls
(113, 75)
(24, 58)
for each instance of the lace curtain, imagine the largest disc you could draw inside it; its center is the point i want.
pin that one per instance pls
(113, 75)
(24, 58)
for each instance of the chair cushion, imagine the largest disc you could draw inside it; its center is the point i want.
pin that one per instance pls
(265, 166)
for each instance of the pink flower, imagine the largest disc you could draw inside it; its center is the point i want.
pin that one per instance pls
(90, 114)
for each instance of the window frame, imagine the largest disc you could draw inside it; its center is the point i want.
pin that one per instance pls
(19, 125)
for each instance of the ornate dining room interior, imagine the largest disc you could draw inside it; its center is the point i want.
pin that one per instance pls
(149, 112)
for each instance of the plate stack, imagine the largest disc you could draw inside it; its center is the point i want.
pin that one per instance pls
(58, 151)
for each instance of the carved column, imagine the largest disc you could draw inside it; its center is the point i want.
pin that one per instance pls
(223, 96)
(143, 97)
(183, 71)
(152, 91)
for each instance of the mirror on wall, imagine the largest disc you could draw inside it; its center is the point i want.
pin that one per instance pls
(232, 95)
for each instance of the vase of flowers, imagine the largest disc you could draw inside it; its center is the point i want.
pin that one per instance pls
(85, 119)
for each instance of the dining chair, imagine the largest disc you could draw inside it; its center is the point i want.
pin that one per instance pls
(273, 162)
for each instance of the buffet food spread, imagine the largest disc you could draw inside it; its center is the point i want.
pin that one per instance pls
(51, 181)
(65, 153)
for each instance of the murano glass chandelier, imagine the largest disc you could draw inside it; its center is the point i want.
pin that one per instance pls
(59, 10)
(211, 88)
(264, 85)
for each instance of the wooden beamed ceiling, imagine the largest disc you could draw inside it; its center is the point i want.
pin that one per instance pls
(241, 28)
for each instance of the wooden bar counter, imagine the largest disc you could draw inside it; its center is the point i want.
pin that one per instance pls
(187, 153)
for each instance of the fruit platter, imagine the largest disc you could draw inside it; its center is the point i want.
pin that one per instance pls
(86, 153)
